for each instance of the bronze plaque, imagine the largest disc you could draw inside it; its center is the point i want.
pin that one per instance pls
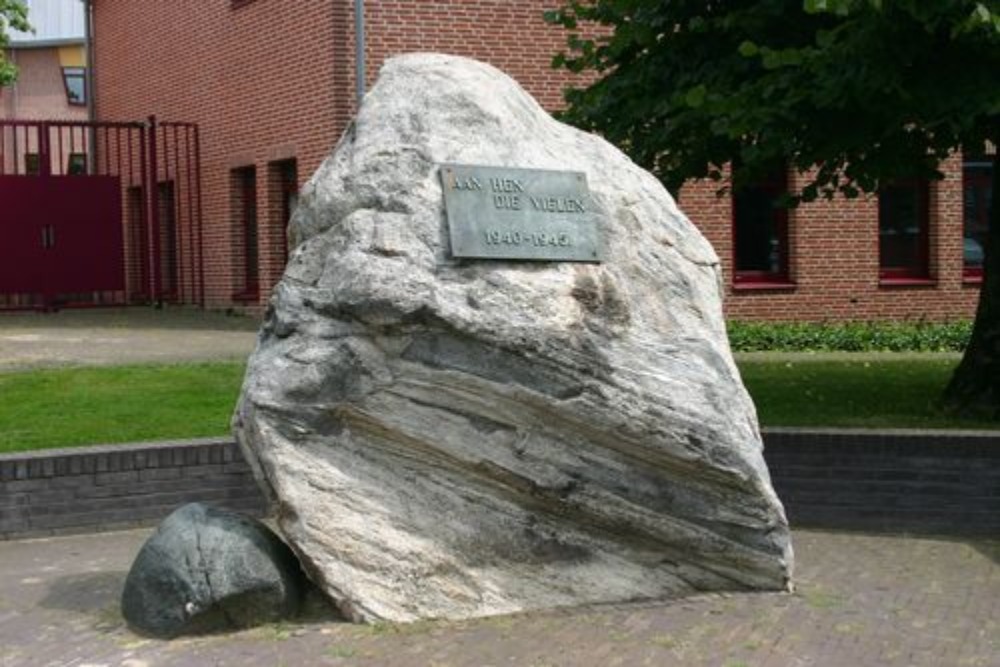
(512, 213)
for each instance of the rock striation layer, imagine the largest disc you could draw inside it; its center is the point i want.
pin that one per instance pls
(455, 438)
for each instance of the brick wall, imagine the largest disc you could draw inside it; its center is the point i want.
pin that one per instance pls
(267, 86)
(898, 481)
(102, 488)
(39, 92)
(509, 35)
(834, 259)
(260, 83)
(939, 482)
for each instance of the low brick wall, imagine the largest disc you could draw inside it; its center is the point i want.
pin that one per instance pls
(118, 486)
(899, 481)
(895, 481)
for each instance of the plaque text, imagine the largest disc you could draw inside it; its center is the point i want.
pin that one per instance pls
(513, 213)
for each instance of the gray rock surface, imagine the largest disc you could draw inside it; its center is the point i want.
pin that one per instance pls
(455, 438)
(207, 569)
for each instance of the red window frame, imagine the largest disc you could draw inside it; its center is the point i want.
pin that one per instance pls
(918, 272)
(977, 173)
(770, 189)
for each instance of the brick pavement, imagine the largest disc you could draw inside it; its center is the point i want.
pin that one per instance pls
(862, 601)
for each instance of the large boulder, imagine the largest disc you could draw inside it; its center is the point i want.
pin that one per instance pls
(207, 569)
(447, 437)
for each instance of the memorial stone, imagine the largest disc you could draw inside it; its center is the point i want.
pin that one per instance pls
(495, 376)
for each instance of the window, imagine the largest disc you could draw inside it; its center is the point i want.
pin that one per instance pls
(760, 233)
(903, 232)
(138, 242)
(283, 183)
(32, 164)
(244, 182)
(166, 202)
(75, 80)
(76, 164)
(977, 201)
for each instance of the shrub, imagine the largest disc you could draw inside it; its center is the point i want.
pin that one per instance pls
(849, 336)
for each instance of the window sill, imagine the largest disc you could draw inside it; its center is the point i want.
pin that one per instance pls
(972, 280)
(907, 282)
(763, 286)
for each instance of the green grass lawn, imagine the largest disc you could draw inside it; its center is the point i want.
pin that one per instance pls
(876, 391)
(80, 406)
(83, 406)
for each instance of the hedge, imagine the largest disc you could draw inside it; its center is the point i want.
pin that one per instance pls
(849, 336)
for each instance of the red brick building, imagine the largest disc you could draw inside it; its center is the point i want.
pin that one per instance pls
(51, 63)
(50, 84)
(52, 76)
(271, 86)
(913, 252)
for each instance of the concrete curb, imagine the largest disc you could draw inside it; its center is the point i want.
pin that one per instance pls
(898, 481)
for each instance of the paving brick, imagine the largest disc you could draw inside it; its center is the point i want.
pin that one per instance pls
(861, 601)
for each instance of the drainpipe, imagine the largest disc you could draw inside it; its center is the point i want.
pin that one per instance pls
(359, 49)
(88, 51)
(88, 47)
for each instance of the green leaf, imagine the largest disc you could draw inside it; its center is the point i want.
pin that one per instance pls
(748, 49)
(771, 59)
(838, 7)
(983, 14)
(696, 96)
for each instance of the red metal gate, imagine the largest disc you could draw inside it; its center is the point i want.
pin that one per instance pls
(99, 213)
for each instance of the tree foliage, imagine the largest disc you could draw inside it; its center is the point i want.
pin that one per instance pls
(865, 90)
(13, 14)
(854, 93)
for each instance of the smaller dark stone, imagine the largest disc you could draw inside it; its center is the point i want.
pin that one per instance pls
(206, 570)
